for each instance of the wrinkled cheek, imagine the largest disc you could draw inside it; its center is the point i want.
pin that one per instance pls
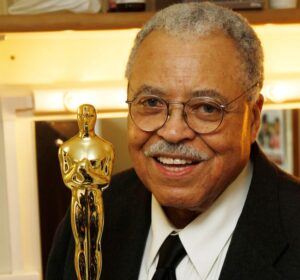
(133, 151)
(217, 170)
(136, 142)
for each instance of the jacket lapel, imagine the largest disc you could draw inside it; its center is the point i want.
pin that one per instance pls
(258, 240)
(127, 222)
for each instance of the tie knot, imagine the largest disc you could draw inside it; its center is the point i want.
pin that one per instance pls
(171, 253)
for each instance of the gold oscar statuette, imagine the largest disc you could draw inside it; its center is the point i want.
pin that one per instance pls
(86, 162)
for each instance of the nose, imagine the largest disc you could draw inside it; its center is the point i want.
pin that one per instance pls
(176, 130)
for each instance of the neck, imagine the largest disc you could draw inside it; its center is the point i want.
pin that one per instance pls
(180, 218)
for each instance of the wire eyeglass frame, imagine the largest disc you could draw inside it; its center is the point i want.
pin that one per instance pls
(222, 108)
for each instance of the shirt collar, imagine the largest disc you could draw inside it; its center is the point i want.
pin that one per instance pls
(160, 229)
(205, 236)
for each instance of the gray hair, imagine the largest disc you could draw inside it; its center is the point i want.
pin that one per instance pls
(206, 18)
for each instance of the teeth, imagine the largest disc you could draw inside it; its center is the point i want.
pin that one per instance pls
(174, 161)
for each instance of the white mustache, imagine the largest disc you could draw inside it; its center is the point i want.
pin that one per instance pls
(183, 150)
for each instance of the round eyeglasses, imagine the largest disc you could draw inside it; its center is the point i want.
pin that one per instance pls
(202, 114)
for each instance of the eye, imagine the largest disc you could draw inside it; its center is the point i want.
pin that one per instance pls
(150, 102)
(202, 106)
(208, 108)
(204, 109)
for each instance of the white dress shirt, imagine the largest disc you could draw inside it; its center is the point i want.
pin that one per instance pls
(206, 239)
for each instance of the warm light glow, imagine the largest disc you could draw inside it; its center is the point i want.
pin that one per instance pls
(65, 57)
(103, 99)
(48, 100)
(87, 59)
(275, 93)
(282, 91)
(281, 44)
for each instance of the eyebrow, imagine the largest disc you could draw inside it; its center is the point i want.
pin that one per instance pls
(206, 92)
(212, 93)
(146, 90)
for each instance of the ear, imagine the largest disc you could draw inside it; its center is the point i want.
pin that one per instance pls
(255, 117)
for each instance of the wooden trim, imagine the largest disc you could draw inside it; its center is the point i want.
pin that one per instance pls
(280, 16)
(68, 21)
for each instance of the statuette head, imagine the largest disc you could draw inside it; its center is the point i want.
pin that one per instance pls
(86, 117)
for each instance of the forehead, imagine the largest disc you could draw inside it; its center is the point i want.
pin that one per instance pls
(185, 62)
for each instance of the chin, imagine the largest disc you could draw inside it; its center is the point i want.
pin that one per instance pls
(177, 200)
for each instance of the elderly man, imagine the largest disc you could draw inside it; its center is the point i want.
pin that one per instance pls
(200, 185)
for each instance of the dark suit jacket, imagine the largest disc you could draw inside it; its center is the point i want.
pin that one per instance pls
(265, 243)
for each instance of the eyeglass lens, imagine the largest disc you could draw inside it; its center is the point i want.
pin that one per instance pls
(201, 114)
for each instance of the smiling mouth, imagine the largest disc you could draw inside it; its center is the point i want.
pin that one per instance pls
(176, 162)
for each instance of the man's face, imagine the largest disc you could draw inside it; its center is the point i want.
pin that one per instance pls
(176, 68)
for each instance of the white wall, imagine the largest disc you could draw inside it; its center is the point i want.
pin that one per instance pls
(89, 57)
(64, 57)
(20, 258)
